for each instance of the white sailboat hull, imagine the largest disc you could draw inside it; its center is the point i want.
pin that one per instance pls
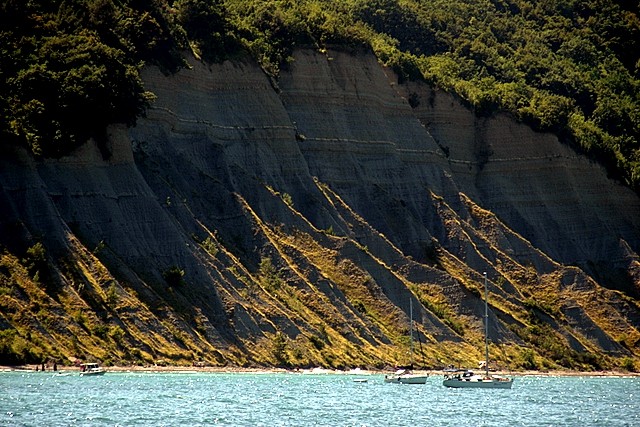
(406, 379)
(504, 383)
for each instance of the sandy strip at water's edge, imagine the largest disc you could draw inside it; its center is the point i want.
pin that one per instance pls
(235, 369)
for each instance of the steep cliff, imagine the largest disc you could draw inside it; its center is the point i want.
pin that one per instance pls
(247, 221)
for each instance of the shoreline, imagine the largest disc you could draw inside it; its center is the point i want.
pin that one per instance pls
(316, 371)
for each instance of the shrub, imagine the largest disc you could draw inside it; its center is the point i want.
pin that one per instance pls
(112, 295)
(207, 24)
(286, 197)
(15, 350)
(174, 276)
(36, 262)
(209, 245)
(116, 333)
(318, 343)
(278, 347)
(628, 364)
(269, 277)
(100, 330)
(527, 360)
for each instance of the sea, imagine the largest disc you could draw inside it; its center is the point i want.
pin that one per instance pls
(298, 399)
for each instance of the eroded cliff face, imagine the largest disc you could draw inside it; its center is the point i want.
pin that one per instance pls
(559, 200)
(250, 222)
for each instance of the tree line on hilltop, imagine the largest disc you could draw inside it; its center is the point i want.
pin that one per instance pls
(68, 68)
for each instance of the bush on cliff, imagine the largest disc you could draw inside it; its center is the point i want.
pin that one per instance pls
(70, 68)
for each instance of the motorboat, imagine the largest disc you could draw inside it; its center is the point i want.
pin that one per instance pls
(90, 369)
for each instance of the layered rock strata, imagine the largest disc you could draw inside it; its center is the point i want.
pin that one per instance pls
(354, 195)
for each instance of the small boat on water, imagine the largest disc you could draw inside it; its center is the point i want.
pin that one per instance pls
(468, 379)
(91, 369)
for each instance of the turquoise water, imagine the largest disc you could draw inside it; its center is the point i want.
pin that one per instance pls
(281, 399)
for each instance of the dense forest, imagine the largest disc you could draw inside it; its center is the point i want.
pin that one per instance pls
(68, 68)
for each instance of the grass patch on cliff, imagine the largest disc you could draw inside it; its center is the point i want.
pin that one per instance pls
(327, 290)
(431, 297)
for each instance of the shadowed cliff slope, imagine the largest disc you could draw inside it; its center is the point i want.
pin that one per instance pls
(257, 223)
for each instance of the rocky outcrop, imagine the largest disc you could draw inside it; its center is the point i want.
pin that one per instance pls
(292, 222)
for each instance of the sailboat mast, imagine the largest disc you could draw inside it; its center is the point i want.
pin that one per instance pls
(486, 328)
(411, 330)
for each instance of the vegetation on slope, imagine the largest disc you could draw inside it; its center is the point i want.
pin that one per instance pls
(69, 68)
(319, 308)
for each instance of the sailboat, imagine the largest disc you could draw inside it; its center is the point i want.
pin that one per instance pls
(404, 376)
(468, 379)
